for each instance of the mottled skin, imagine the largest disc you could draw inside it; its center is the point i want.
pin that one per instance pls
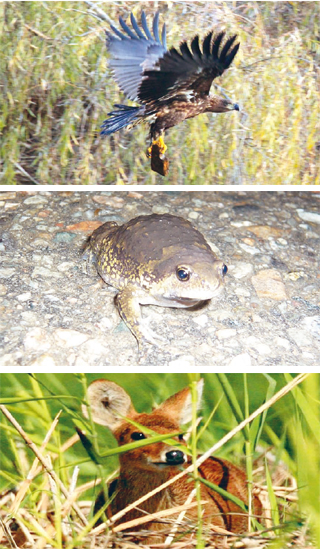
(144, 258)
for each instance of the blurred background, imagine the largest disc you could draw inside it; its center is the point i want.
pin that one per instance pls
(56, 90)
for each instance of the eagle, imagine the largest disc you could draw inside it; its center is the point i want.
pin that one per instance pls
(168, 85)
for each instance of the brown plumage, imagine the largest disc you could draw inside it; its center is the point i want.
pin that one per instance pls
(169, 85)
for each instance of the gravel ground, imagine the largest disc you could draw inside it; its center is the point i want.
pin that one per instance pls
(54, 314)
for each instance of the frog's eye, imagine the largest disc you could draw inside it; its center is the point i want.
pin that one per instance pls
(183, 273)
(224, 270)
(137, 436)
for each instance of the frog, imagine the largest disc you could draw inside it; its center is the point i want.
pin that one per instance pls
(155, 259)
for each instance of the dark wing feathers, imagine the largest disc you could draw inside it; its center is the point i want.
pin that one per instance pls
(195, 48)
(146, 71)
(132, 52)
(164, 36)
(188, 70)
(206, 45)
(216, 44)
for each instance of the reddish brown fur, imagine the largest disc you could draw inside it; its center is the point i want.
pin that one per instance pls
(140, 471)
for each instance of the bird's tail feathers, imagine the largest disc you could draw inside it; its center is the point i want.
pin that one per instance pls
(120, 118)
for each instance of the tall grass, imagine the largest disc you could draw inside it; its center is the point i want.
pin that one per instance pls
(56, 90)
(280, 448)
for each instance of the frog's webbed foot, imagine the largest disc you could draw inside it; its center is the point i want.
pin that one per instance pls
(128, 303)
(149, 336)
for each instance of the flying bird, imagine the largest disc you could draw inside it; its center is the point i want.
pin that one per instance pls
(169, 85)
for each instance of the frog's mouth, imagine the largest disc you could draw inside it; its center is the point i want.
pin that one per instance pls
(185, 301)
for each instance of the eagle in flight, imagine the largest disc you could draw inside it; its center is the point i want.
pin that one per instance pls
(169, 85)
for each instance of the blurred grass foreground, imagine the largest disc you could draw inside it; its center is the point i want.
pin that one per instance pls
(56, 90)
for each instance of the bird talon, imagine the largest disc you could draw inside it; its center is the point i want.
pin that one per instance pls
(159, 144)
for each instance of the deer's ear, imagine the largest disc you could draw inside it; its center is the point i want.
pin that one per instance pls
(180, 405)
(109, 404)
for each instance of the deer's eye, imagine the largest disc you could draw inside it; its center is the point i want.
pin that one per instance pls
(137, 436)
(181, 438)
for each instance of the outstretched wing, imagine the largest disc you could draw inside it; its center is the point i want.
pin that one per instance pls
(134, 52)
(187, 69)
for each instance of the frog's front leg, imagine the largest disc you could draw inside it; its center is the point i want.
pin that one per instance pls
(128, 302)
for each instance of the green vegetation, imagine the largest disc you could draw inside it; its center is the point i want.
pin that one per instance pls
(280, 447)
(55, 91)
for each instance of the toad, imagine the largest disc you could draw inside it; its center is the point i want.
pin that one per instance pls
(157, 259)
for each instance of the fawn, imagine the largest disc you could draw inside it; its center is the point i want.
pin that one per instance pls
(145, 468)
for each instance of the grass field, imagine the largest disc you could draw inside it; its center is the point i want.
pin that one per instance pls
(279, 449)
(56, 90)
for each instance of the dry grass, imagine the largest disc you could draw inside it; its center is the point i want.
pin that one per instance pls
(56, 91)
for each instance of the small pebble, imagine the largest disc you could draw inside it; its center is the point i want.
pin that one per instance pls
(242, 362)
(282, 342)
(240, 270)
(261, 348)
(65, 266)
(43, 361)
(309, 216)
(36, 340)
(24, 297)
(39, 243)
(184, 361)
(85, 226)
(94, 347)
(36, 199)
(7, 272)
(113, 201)
(226, 333)
(43, 271)
(239, 224)
(265, 231)
(268, 284)
(7, 195)
(300, 337)
(249, 249)
(3, 289)
(242, 292)
(201, 320)
(312, 324)
(64, 237)
(69, 338)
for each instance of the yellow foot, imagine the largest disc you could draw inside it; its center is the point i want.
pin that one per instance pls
(162, 147)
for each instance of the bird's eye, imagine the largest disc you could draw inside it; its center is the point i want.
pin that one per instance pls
(181, 438)
(183, 273)
(224, 270)
(137, 436)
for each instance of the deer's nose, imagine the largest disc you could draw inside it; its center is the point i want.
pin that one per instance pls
(175, 457)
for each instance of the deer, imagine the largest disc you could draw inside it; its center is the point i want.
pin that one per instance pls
(147, 467)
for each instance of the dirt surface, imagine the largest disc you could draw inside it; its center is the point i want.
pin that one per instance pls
(54, 314)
